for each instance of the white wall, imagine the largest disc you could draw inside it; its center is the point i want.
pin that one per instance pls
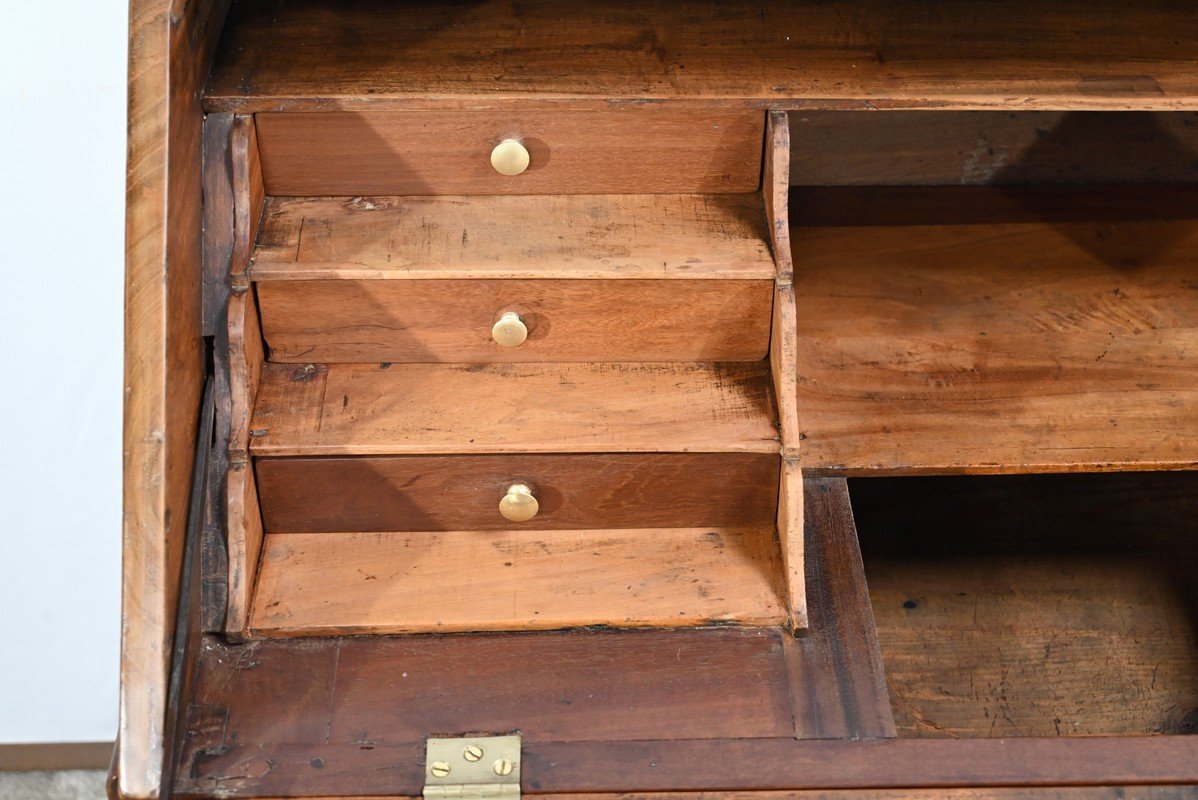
(62, 172)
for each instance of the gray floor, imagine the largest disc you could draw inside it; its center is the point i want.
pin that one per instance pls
(76, 784)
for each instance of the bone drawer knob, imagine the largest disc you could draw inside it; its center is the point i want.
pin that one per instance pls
(509, 157)
(509, 330)
(518, 505)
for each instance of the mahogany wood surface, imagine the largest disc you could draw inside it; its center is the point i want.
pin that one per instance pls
(313, 584)
(435, 493)
(932, 339)
(1020, 793)
(623, 150)
(349, 409)
(851, 53)
(994, 148)
(170, 48)
(449, 321)
(662, 236)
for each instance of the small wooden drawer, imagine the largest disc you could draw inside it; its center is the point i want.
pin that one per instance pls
(467, 321)
(583, 491)
(619, 151)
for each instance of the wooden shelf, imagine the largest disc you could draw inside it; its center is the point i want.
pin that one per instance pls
(844, 53)
(976, 331)
(346, 409)
(537, 236)
(326, 583)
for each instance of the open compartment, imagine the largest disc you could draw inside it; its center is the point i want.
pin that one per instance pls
(1035, 606)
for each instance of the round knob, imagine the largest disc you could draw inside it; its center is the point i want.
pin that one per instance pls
(518, 505)
(509, 157)
(509, 330)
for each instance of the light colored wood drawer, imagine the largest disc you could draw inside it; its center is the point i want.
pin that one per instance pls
(453, 321)
(572, 491)
(617, 151)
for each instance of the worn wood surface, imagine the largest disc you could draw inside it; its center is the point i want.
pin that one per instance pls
(775, 189)
(838, 683)
(878, 53)
(1050, 342)
(789, 524)
(249, 195)
(1022, 793)
(503, 408)
(537, 236)
(784, 368)
(433, 493)
(333, 583)
(246, 362)
(449, 321)
(937, 148)
(621, 150)
(170, 44)
(217, 219)
(1036, 606)
(638, 767)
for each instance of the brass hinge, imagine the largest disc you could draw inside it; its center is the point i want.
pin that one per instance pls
(472, 768)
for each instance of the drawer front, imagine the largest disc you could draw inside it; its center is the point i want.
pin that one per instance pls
(437, 493)
(619, 151)
(466, 321)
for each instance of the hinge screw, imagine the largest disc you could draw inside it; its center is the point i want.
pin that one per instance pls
(439, 769)
(503, 767)
(472, 752)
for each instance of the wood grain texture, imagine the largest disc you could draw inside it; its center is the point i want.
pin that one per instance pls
(313, 584)
(1053, 342)
(660, 236)
(435, 493)
(170, 44)
(775, 189)
(839, 685)
(1021, 793)
(249, 196)
(622, 150)
(1036, 606)
(246, 362)
(366, 697)
(244, 538)
(639, 767)
(449, 321)
(879, 53)
(513, 408)
(937, 148)
(789, 523)
(217, 209)
(784, 367)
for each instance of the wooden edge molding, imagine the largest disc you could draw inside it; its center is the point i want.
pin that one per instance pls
(55, 756)
(790, 540)
(249, 197)
(775, 189)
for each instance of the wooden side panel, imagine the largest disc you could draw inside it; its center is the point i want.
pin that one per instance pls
(169, 49)
(789, 522)
(350, 409)
(839, 683)
(436, 493)
(661, 236)
(314, 584)
(784, 367)
(449, 321)
(249, 195)
(624, 150)
(938, 148)
(775, 189)
(244, 520)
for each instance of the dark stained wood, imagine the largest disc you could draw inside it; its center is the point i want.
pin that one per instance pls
(374, 700)
(876, 53)
(658, 236)
(352, 409)
(218, 219)
(437, 493)
(381, 767)
(1020, 793)
(1046, 606)
(932, 340)
(628, 149)
(170, 48)
(449, 321)
(937, 148)
(839, 684)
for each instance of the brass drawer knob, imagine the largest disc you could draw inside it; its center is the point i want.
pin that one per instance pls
(518, 505)
(509, 157)
(509, 330)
